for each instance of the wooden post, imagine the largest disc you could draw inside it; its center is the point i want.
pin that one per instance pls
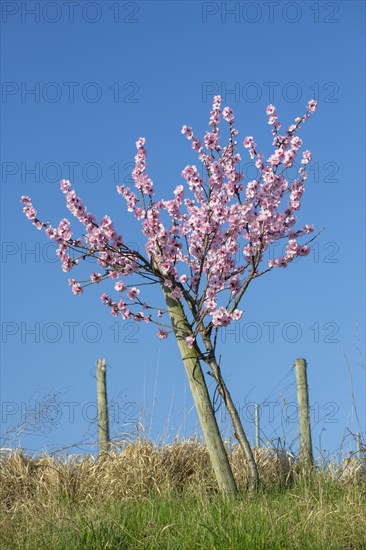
(201, 397)
(257, 428)
(306, 450)
(359, 446)
(103, 422)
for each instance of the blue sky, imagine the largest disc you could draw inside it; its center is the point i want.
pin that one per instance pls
(104, 74)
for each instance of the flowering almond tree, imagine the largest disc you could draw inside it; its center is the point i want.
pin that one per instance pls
(203, 247)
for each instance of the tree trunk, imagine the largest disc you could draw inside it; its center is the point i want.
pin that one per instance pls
(201, 397)
(234, 415)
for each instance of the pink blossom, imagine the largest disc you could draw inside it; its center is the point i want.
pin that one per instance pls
(75, 287)
(228, 114)
(312, 105)
(125, 312)
(65, 186)
(248, 141)
(190, 341)
(96, 277)
(105, 299)
(211, 140)
(51, 232)
(210, 304)
(163, 334)
(187, 131)
(133, 293)
(120, 287)
(196, 144)
(221, 317)
(237, 314)
(306, 157)
(176, 294)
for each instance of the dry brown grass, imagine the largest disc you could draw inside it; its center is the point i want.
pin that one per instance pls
(351, 472)
(153, 497)
(139, 470)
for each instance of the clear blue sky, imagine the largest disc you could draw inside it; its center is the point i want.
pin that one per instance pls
(104, 74)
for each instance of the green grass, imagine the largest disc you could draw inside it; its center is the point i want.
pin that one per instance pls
(313, 514)
(150, 497)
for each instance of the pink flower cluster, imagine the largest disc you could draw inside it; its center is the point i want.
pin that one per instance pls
(221, 317)
(122, 308)
(75, 287)
(142, 181)
(30, 211)
(214, 227)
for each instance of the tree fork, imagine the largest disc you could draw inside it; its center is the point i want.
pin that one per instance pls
(239, 432)
(201, 397)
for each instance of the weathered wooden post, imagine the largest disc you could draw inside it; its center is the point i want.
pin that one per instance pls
(306, 449)
(103, 422)
(359, 446)
(256, 421)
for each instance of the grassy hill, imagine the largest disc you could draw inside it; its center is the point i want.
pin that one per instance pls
(146, 496)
